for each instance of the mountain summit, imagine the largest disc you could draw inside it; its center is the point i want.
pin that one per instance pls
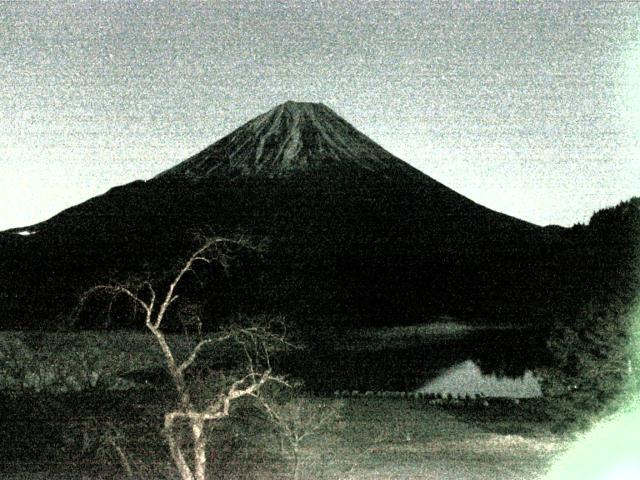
(287, 138)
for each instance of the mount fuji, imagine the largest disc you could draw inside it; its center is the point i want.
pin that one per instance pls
(352, 232)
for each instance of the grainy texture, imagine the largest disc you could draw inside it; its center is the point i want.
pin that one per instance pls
(528, 108)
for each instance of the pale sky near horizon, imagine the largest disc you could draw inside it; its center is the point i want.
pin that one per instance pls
(529, 108)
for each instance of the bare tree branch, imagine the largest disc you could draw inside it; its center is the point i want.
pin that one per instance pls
(297, 420)
(117, 289)
(196, 350)
(197, 256)
(255, 342)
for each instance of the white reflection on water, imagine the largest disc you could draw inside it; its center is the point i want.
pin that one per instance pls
(466, 378)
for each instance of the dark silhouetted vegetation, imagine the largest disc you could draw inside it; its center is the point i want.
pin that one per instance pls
(590, 344)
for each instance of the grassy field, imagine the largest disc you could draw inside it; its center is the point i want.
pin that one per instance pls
(374, 439)
(77, 399)
(382, 438)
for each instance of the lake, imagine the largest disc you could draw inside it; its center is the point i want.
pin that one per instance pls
(412, 358)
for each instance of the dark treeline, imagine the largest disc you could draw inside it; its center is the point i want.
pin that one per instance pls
(591, 354)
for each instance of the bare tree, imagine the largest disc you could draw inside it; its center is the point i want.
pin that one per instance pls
(256, 342)
(297, 420)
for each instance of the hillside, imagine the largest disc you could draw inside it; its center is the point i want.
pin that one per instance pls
(350, 231)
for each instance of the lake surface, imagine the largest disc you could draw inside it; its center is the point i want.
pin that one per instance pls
(410, 358)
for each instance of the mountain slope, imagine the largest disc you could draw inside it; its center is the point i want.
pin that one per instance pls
(292, 136)
(352, 231)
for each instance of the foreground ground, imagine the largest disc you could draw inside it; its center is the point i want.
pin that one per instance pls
(407, 439)
(84, 401)
(374, 439)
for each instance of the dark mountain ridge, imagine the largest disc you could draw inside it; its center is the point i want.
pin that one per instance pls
(352, 232)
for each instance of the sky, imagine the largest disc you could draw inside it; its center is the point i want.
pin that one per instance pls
(529, 108)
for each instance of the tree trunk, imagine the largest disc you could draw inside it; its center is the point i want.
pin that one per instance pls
(199, 450)
(176, 452)
(296, 464)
